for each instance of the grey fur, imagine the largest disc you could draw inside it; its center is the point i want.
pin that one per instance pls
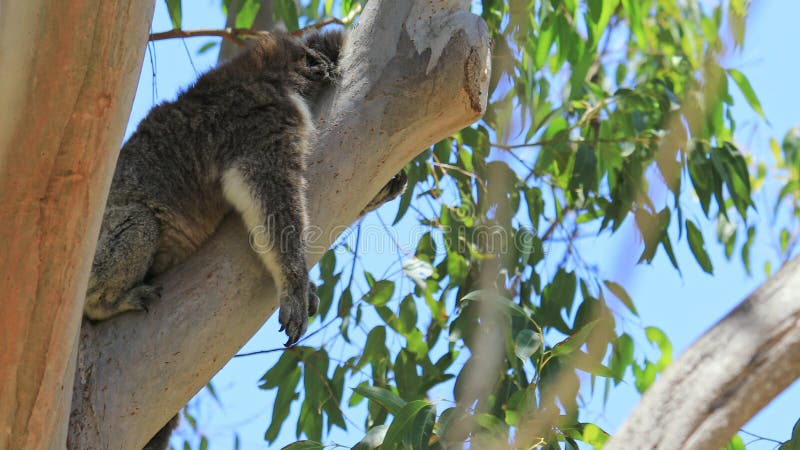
(237, 139)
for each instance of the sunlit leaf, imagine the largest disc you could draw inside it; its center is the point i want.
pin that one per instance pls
(174, 10)
(698, 247)
(747, 91)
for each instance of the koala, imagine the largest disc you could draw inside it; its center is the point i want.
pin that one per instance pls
(235, 140)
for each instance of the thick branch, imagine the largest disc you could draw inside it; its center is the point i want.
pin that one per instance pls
(412, 74)
(69, 73)
(726, 377)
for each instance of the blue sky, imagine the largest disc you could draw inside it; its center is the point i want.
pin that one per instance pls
(769, 59)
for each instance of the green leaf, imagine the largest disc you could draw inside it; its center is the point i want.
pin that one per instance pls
(492, 424)
(622, 295)
(304, 445)
(206, 47)
(375, 348)
(283, 402)
(275, 376)
(373, 438)
(644, 377)
(560, 293)
(247, 13)
(593, 435)
(408, 314)
(380, 293)
(456, 268)
(543, 42)
(572, 343)
(656, 336)
(794, 442)
(174, 10)
(526, 343)
(747, 91)
(588, 364)
(399, 429)
(584, 172)
(286, 11)
(736, 443)
(697, 246)
(621, 356)
(382, 396)
(751, 233)
(422, 428)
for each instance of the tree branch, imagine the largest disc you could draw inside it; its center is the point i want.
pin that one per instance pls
(404, 87)
(726, 377)
(235, 35)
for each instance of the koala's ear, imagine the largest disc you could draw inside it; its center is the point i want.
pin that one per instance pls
(328, 43)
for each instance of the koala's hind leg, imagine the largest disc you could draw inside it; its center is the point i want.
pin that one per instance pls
(129, 238)
(272, 204)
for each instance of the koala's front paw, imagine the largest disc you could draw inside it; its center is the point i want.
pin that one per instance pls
(294, 315)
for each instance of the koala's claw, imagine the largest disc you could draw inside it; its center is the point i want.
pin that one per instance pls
(295, 312)
(293, 319)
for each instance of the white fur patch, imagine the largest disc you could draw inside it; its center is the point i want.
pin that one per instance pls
(308, 121)
(238, 194)
(308, 131)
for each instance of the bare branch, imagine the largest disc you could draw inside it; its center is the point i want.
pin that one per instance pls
(726, 377)
(235, 35)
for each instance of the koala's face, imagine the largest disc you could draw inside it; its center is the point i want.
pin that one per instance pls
(322, 50)
(328, 45)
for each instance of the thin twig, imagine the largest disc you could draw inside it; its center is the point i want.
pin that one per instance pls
(320, 24)
(235, 35)
(238, 35)
(544, 142)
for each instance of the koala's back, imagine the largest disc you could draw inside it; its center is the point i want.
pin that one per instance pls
(174, 162)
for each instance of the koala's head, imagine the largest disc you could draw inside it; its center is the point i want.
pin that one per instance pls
(307, 63)
(327, 45)
(322, 52)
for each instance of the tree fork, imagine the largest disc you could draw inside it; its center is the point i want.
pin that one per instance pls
(413, 73)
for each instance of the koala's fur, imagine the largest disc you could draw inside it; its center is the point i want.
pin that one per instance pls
(237, 139)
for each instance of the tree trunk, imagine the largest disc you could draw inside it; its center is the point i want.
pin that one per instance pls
(726, 377)
(413, 73)
(69, 73)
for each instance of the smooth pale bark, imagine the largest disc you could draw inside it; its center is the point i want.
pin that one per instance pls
(413, 73)
(726, 377)
(68, 73)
